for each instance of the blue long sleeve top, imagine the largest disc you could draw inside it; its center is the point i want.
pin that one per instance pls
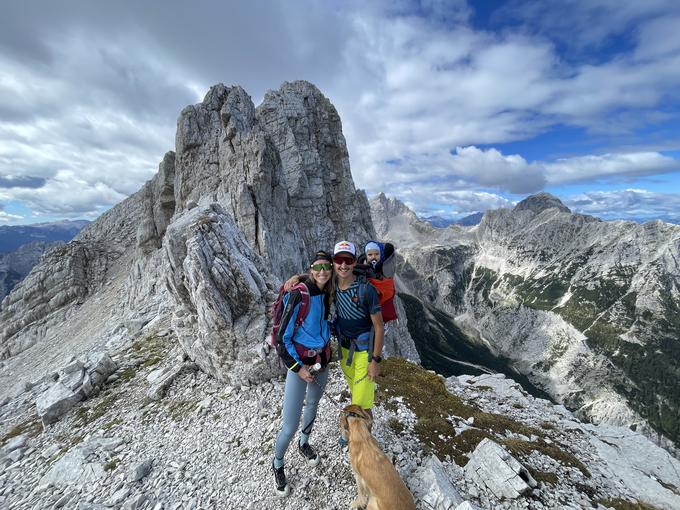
(313, 333)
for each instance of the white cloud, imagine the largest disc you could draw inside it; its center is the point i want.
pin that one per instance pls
(613, 167)
(430, 199)
(67, 195)
(628, 203)
(6, 217)
(89, 92)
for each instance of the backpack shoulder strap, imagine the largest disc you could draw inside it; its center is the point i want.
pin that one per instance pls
(302, 290)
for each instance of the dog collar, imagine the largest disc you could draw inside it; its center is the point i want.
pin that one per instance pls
(354, 415)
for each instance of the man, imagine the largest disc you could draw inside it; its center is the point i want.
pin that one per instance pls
(359, 327)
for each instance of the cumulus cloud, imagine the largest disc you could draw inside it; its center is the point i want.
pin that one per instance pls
(627, 203)
(89, 92)
(67, 195)
(423, 180)
(430, 199)
(611, 167)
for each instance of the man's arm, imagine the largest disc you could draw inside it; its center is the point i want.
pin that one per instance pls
(293, 281)
(378, 339)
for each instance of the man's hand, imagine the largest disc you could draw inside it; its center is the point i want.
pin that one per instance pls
(291, 282)
(305, 375)
(373, 370)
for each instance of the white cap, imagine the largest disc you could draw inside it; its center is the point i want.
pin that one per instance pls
(345, 247)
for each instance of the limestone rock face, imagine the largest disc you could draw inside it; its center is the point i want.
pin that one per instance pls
(540, 202)
(14, 266)
(587, 309)
(220, 286)
(54, 402)
(243, 201)
(281, 170)
(66, 275)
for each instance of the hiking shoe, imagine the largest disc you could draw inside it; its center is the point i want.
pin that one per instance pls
(282, 487)
(308, 453)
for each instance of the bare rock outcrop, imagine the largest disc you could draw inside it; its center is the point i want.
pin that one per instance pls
(14, 266)
(281, 170)
(220, 286)
(243, 201)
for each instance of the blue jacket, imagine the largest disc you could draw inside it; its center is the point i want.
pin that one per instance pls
(314, 332)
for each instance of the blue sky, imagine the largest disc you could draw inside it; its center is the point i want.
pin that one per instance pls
(452, 106)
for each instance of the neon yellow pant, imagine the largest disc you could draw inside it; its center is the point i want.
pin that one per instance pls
(361, 387)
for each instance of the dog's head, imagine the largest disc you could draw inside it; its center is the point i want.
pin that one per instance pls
(351, 412)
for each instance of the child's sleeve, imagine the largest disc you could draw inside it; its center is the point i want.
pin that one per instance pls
(389, 264)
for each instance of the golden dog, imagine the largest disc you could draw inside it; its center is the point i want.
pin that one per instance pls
(379, 486)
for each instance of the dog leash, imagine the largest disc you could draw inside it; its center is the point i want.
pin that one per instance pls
(312, 371)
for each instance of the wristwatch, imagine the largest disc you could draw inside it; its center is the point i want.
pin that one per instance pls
(377, 359)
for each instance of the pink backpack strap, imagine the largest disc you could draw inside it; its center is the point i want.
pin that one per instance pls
(304, 303)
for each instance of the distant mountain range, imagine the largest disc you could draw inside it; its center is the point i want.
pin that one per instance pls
(13, 237)
(467, 221)
(476, 218)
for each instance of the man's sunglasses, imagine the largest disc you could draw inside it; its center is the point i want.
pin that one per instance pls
(339, 259)
(326, 266)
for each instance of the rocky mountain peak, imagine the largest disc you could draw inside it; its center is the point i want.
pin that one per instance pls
(540, 202)
(243, 200)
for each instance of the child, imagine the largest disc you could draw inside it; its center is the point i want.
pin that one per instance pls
(379, 258)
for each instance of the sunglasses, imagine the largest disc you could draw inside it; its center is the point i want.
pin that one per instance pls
(326, 266)
(339, 259)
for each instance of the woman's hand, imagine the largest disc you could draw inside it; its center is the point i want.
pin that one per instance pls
(305, 375)
(291, 282)
(373, 370)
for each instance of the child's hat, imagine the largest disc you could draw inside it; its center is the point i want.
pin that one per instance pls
(371, 246)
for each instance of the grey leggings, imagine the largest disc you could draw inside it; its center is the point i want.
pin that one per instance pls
(293, 398)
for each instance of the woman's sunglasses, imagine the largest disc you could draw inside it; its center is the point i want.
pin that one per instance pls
(327, 266)
(339, 259)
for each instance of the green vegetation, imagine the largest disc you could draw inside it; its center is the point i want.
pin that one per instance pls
(85, 415)
(396, 426)
(112, 423)
(426, 395)
(112, 464)
(31, 427)
(543, 476)
(178, 409)
(523, 449)
(622, 504)
(604, 309)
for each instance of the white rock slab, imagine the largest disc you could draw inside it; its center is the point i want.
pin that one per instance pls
(491, 465)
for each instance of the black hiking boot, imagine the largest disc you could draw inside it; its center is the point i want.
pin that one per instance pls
(308, 453)
(282, 487)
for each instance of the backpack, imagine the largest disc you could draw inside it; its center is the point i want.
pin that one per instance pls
(381, 277)
(278, 308)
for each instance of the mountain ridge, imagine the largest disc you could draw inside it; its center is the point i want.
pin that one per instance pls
(558, 292)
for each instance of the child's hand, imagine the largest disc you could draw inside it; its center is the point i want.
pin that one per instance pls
(291, 282)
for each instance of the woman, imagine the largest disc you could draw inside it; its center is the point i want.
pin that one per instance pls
(306, 352)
